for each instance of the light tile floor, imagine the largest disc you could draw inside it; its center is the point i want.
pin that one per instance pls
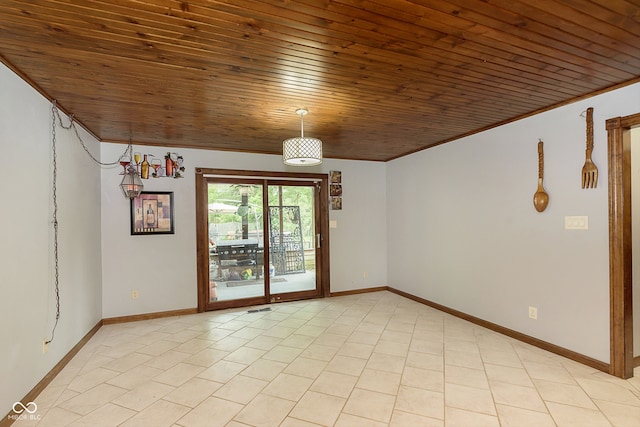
(374, 359)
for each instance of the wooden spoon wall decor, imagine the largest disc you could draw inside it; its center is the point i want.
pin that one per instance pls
(540, 198)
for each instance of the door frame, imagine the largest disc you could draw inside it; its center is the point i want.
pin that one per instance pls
(202, 233)
(620, 261)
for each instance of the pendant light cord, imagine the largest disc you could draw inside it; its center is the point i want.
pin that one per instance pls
(55, 114)
(54, 197)
(72, 125)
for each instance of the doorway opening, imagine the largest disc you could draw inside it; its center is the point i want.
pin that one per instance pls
(262, 237)
(620, 242)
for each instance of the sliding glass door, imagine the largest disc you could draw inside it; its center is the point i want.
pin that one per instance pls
(263, 237)
(292, 238)
(236, 240)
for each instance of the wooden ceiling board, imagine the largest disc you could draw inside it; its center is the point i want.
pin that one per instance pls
(381, 78)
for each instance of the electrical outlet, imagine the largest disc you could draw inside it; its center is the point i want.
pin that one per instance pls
(365, 274)
(134, 294)
(45, 346)
(533, 313)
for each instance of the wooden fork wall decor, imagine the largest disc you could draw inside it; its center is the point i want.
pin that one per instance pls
(589, 170)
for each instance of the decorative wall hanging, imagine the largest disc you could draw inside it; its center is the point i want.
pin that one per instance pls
(335, 190)
(540, 198)
(168, 166)
(589, 170)
(152, 213)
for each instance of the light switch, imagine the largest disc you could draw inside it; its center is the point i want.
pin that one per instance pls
(333, 224)
(576, 222)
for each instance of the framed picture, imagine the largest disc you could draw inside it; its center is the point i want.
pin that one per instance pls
(152, 213)
(336, 203)
(335, 190)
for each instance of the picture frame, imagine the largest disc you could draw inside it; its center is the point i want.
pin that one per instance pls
(336, 203)
(335, 190)
(152, 213)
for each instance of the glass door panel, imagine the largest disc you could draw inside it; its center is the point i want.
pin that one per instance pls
(292, 238)
(236, 241)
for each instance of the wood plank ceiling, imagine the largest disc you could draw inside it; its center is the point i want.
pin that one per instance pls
(381, 78)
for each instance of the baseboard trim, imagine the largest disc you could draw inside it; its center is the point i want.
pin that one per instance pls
(561, 351)
(636, 361)
(148, 316)
(44, 382)
(358, 291)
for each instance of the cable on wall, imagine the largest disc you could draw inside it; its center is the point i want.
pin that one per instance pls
(72, 125)
(54, 197)
(55, 113)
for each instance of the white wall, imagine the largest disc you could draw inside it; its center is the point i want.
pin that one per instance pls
(463, 231)
(358, 244)
(163, 267)
(26, 255)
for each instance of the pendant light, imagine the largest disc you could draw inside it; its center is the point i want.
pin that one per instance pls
(302, 151)
(131, 184)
